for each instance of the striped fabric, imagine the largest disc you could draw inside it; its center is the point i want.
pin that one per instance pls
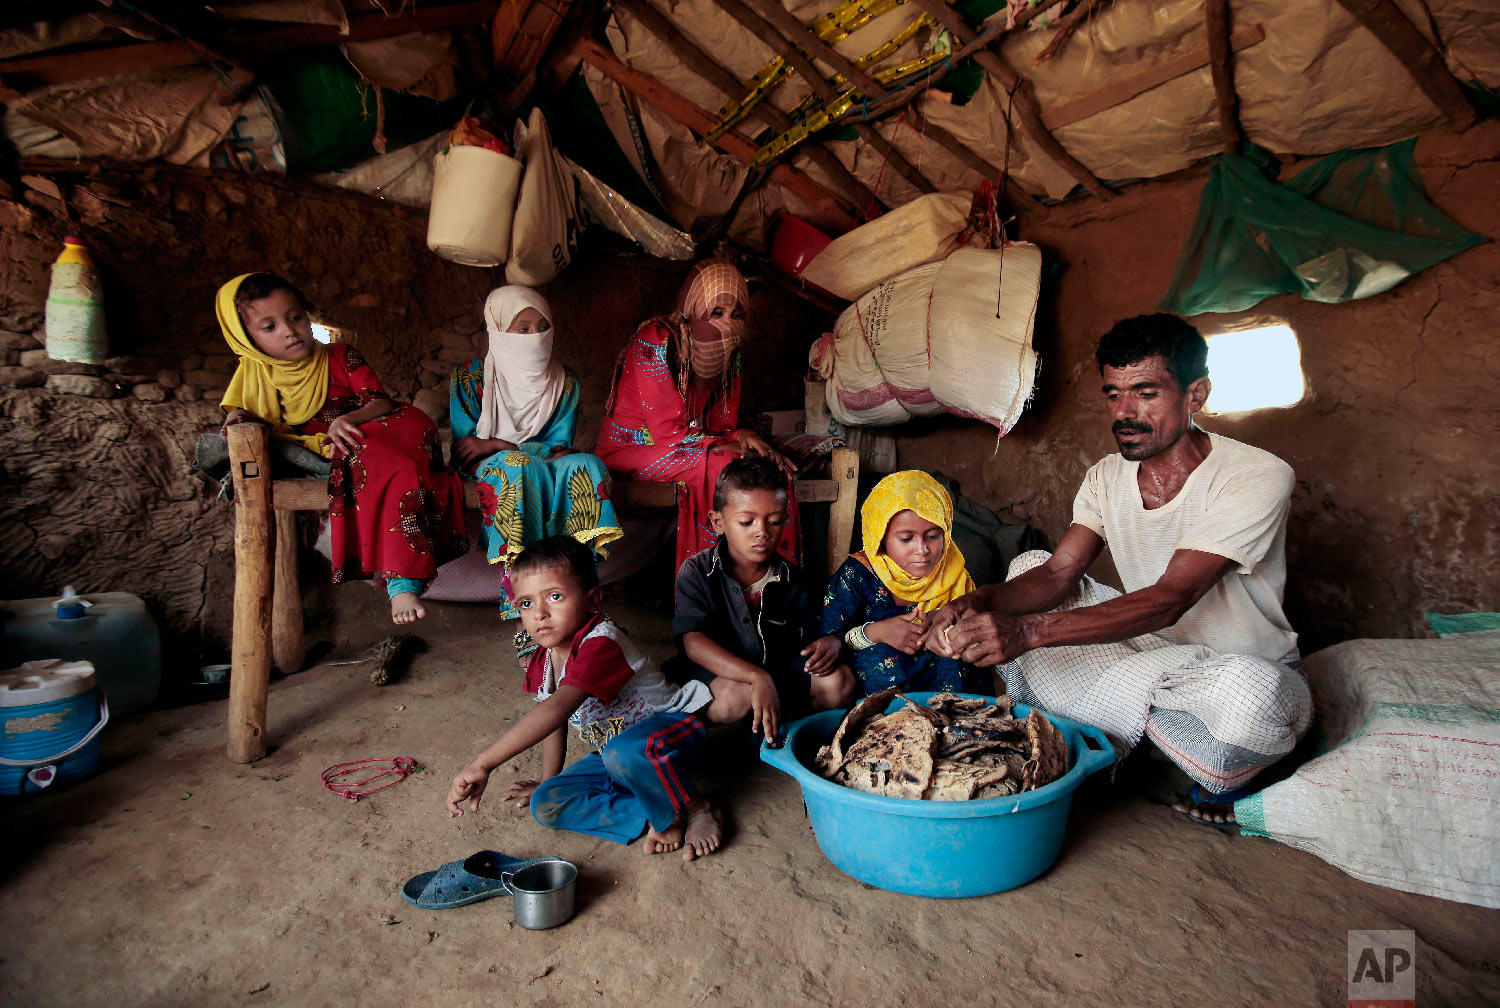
(1221, 718)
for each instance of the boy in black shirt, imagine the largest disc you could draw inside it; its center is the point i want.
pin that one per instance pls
(745, 621)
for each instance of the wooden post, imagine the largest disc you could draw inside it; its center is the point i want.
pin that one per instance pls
(845, 470)
(254, 543)
(287, 651)
(1221, 58)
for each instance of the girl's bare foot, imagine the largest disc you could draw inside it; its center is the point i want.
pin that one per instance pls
(667, 840)
(705, 828)
(406, 607)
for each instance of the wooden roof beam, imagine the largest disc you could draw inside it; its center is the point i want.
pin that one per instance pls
(1394, 30)
(1026, 106)
(62, 67)
(868, 86)
(800, 35)
(954, 146)
(1221, 60)
(736, 144)
(720, 77)
(805, 68)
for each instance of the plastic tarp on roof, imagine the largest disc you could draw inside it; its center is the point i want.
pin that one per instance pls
(1294, 86)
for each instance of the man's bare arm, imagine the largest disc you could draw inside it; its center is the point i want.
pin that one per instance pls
(1045, 586)
(1188, 577)
(1037, 590)
(995, 637)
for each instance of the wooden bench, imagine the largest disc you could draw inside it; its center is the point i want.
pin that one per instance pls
(268, 597)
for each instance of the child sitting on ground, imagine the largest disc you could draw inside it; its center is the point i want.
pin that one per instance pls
(643, 733)
(745, 619)
(908, 567)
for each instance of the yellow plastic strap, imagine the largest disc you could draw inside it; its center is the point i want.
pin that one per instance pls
(835, 26)
(821, 117)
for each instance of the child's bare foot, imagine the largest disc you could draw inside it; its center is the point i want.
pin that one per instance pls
(667, 840)
(705, 827)
(406, 607)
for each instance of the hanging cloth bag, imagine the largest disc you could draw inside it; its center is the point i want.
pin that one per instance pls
(544, 233)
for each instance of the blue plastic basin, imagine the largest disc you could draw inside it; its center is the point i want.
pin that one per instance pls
(937, 848)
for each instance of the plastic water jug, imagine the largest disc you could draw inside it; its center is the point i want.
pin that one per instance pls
(111, 630)
(50, 718)
(75, 308)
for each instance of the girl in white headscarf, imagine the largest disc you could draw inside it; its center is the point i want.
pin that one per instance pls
(514, 412)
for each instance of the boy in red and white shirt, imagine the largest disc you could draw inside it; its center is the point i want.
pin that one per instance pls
(643, 732)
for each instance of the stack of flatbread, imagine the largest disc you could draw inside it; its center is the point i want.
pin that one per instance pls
(951, 749)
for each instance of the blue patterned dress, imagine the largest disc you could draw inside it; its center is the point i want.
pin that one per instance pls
(855, 597)
(524, 495)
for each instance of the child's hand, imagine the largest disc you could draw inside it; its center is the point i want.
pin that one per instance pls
(899, 632)
(765, 708)
(520, 792)
(470, 784)
(238, 415)
(821, 655)
(346, 434)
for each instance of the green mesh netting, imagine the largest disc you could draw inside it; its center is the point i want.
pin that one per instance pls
(1350, 226)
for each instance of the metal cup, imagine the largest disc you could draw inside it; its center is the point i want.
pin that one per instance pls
(541, 892)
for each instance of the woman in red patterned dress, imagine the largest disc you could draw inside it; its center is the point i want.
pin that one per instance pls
(674, 410)
(394, 508)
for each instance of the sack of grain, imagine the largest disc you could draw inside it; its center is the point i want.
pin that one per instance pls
(1404, 795)
(875, 361)
(923, 231)
(932, 339)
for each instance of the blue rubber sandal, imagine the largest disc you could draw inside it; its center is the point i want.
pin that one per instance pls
(1197, 797)
(459, 883)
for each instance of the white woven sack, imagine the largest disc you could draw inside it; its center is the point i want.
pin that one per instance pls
(1404, 796)
(544, 233)
(982, 362)
(923, 231)
(877, 369)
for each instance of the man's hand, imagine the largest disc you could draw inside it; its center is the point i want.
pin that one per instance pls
(821, 655)
(899, 632)
(470, 783)
(765, 708)
(986, 639)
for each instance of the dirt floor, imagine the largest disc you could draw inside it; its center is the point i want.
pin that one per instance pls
(176, 877)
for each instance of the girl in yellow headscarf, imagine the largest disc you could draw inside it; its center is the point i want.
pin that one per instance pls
(909, 566)
(394, 509)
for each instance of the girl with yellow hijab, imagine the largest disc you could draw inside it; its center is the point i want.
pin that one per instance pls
(909, 566)
(394, 509)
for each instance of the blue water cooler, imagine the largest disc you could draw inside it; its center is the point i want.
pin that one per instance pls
(51, 714)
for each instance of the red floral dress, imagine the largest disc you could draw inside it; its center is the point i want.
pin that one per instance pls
(394, 508)
(649, 435)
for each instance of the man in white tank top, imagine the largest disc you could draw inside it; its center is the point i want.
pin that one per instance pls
(1196, 653)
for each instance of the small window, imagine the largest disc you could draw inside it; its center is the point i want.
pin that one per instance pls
(1255, 368)
(324, 334)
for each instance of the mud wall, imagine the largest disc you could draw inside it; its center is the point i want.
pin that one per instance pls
(95, 487)
(1393, 445)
